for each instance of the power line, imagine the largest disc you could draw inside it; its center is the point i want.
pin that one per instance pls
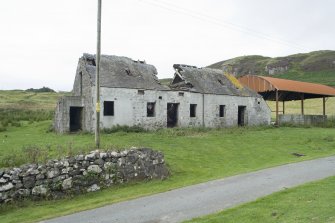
(222, 23)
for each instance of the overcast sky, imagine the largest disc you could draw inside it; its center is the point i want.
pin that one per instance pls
(42, 40)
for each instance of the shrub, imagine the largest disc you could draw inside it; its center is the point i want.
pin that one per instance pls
(124, 128)
(43, 89)
(14, 116)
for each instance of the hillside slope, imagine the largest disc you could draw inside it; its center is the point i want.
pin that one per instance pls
(27, 100)
(317, 66)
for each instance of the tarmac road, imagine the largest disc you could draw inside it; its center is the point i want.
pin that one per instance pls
(206, 198)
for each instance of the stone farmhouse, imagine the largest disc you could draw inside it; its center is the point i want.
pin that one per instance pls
(132, 95)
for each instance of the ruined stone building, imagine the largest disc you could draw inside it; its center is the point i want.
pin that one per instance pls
(132, 95)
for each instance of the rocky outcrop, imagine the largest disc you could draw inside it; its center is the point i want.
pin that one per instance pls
(80, 174)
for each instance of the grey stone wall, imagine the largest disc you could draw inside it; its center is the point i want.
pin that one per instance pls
(302, 119)
(80, 174)
(62, 112)
(82, 86)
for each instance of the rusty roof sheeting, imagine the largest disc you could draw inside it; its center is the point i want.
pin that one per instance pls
(268, 84)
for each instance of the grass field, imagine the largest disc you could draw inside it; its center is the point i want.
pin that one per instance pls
(311, 107)
(18, 99)
(312, 202)
(193, 156)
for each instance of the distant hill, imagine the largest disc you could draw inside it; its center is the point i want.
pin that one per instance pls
(165, 81)
(317, 66)
(28, 100)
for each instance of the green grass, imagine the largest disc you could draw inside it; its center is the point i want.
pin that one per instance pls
(326, 77)
(311, 107)
(193, 156)
(165, 81)
(310, 203)
(316, 67)
(19, 105)
(19, 99)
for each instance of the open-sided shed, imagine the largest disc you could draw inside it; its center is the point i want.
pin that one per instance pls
(276, 89)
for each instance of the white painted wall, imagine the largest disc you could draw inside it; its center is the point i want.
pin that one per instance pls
(130, 108)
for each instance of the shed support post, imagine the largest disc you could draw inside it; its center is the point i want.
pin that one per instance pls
(302, 104)
(277, 117)
(324, 105)
(283, 107)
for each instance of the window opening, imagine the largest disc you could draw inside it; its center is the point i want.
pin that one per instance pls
(193, 108)
(151, 109)
(222, 110)
(108, 108)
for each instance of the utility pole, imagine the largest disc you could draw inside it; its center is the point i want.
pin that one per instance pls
(97, 81)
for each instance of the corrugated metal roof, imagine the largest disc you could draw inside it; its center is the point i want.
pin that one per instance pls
(263, 84)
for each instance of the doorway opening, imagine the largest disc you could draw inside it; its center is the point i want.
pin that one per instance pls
(172, 115)
(76, 117)
(241, 115)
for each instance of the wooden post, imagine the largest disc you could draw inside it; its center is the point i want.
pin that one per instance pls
(302, 104)
(324, 105)
(283, 107)
(97, 81)
(277, 117)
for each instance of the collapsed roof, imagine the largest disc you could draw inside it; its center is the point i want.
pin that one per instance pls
(207, 81)
(122, 72)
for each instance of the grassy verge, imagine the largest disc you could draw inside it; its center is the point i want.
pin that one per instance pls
(312, 202)
(193, 155)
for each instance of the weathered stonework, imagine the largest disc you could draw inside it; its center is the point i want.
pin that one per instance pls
(80, 174)
(131, 85)
(302, 119)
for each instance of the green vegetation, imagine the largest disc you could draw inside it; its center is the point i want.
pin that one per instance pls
(317, 66)
(165, 81)
(311, 107)
(326, 77)
(43, 89)
(312, 202)
(193, 156)
(18, 99)
(14, 116)
(18, 105)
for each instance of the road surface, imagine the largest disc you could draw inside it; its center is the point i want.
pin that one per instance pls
(206, 198)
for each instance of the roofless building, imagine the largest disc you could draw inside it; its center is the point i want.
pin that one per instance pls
(132, 95)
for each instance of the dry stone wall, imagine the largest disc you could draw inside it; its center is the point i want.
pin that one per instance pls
(80, 174)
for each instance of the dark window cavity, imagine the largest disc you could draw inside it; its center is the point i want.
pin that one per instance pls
(151, 109)
(108, 108)
(141, 92)
(193, 109)
(160, 97)
(81, 83)
(222, 110)
(91, 61)
(181, 93)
